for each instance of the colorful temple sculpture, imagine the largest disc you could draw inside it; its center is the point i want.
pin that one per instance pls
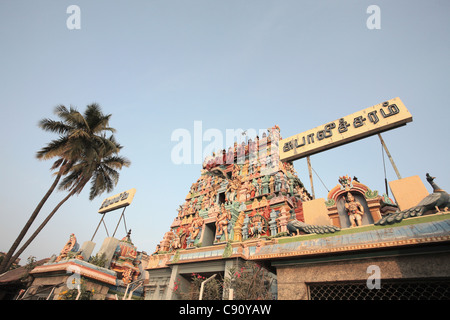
(125, 261)
(248, 206)
(352, 204)
(242, 193)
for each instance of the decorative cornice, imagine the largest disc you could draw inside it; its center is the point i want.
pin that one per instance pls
(413, 231)
(71, 266)
(350, 248)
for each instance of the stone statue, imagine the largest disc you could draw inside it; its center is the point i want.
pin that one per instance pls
(438, 200)
(244, 171)
(222, 223)
(271, 184)
(196, 224)
(70, 246)
(277, 183)
(176, 243)
(256, 228)
(354, 209)
(282, 221)
(238, 227)
(294, 227)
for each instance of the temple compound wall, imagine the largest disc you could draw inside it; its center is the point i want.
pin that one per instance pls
(347, 279)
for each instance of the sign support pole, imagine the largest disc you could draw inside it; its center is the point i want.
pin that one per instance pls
(310, 176)
(103, 215)
(389, 156)
(119, 220)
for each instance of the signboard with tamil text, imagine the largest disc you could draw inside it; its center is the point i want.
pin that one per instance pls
(118, 201)
(379, 118)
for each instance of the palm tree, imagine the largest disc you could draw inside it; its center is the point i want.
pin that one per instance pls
(83, 152)
(101, 169)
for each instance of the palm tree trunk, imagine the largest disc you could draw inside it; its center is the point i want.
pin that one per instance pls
(39, 229)
(7, 261)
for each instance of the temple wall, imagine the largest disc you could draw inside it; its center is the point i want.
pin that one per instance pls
(293, 280)
(100, 290)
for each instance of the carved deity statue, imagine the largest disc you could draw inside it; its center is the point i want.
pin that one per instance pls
(67, 248)
(354, 209)
(176, 243)
(195, 226)
(238, 227)
(222, 223)
(282, 220)
(256, 227)
(232, 188)
(271, 184)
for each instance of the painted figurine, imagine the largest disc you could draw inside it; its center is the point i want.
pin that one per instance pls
(354, 209)
(222, 223)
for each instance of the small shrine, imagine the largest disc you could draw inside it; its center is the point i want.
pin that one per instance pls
(351, 204)
(76, 274)
(125, 260)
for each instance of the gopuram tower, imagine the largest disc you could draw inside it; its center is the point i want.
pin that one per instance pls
(242, 193)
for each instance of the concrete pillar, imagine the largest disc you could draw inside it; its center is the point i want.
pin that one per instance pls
(108, 248)
(170, 295)
(315, 212)
(86, 249)
(245, 228)
(408, 192)
(273, 223)
(228, 265)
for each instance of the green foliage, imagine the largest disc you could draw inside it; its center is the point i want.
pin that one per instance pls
(212, 289)
(82, 150)
(31, 263)
(83, 153)
(71, 294)
(97, 260)
(250, 282)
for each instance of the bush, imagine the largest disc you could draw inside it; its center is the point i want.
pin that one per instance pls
(212, 289)
(71, 294)
(250, 282)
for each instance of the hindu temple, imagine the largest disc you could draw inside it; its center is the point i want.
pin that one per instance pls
(249, 206)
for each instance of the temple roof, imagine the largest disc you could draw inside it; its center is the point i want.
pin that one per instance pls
(18, 273)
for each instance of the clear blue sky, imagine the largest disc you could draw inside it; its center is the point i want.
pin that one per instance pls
(161, 65)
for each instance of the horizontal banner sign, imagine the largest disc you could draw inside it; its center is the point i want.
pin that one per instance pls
(118, 201)
(381, 117)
